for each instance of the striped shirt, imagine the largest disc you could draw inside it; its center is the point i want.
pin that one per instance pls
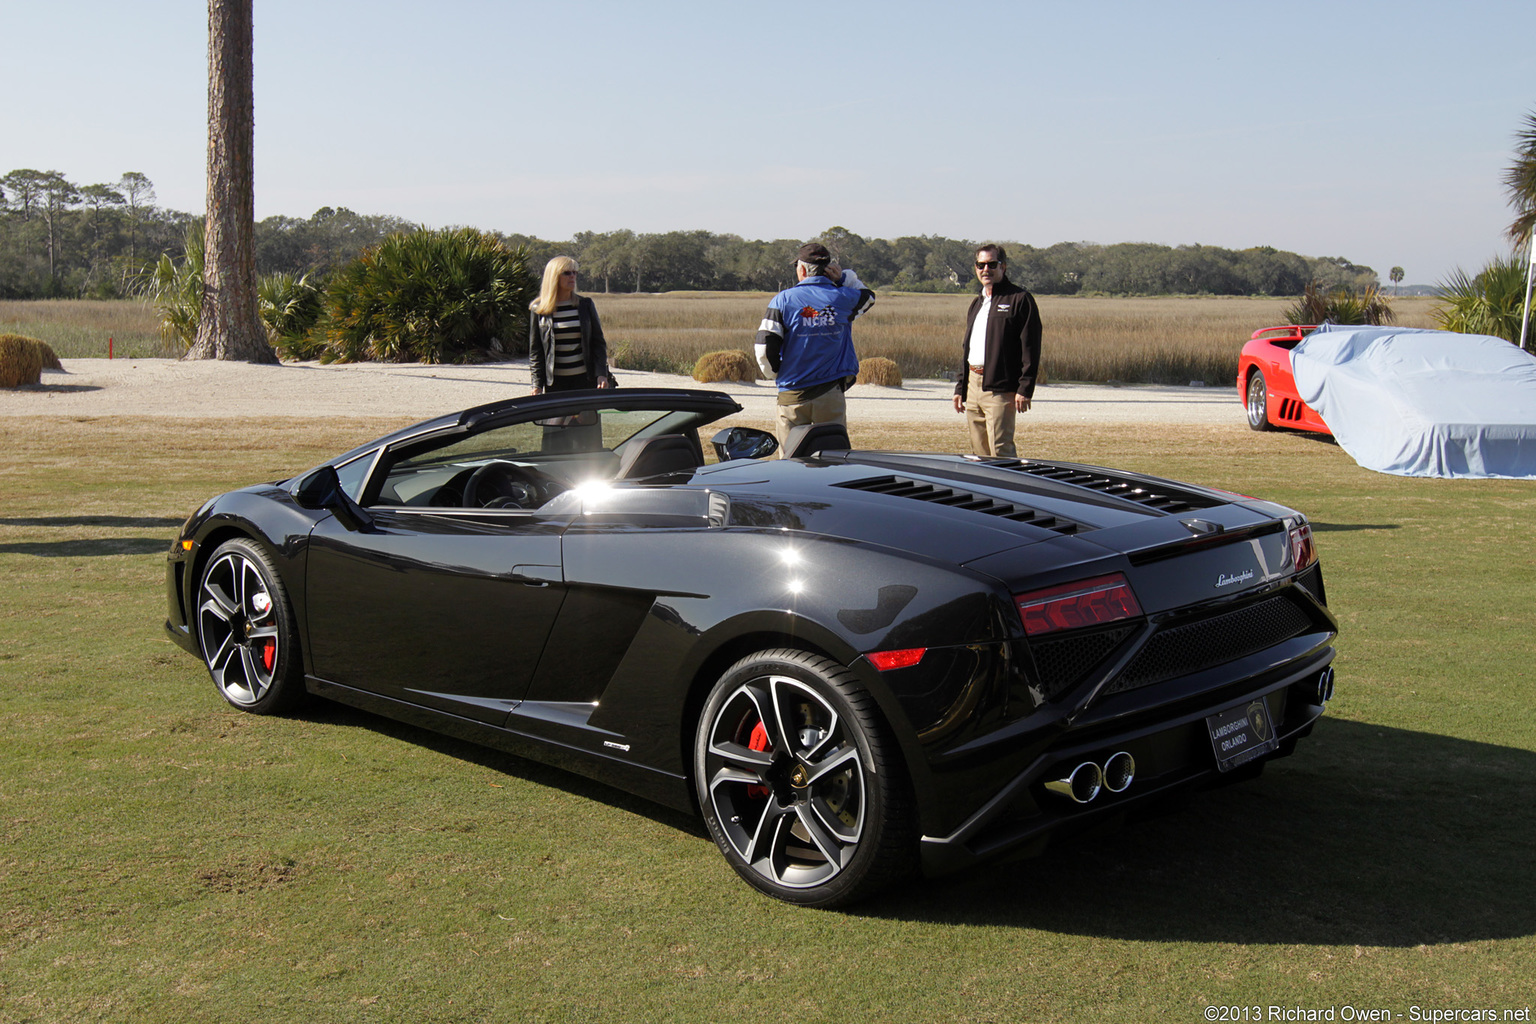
(568, 361)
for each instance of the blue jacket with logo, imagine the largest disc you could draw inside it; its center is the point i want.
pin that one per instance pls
(806, 337)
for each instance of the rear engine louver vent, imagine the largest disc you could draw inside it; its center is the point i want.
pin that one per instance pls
(1164, 499)
(900, 487)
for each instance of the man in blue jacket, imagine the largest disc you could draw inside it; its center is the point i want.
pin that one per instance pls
(805, 341)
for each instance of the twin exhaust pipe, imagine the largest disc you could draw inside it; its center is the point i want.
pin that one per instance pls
(1088, 779)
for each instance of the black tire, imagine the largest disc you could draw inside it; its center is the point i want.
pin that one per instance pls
(820, 815)
(246, 630)
(1256, 401)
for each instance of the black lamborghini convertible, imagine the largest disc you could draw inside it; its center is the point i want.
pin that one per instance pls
(857, 665)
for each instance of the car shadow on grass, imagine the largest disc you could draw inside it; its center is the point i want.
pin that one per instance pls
(1367, 836)
(329, 713)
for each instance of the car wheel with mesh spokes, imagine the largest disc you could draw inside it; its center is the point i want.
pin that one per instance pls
(800, 783)
(1258, 401)
(246, 630)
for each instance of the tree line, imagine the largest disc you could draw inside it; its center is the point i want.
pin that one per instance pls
(61, 239)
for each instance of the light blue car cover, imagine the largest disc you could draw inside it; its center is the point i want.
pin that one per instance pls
(1422, 403)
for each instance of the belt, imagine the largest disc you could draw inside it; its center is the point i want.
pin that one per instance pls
(979, 369)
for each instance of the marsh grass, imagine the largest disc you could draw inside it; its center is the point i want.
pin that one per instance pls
(1163, 340)
(164, 858)
(79, 328)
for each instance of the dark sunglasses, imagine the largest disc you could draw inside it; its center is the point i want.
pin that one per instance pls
(988, 264)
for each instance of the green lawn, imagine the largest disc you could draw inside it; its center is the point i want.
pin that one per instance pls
(165, 858)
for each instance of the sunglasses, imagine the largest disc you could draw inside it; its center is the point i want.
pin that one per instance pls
(988, 264)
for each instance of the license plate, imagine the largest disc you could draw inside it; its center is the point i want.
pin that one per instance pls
(1240, 734)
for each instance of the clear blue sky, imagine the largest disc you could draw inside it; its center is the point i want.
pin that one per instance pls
(1373, 131)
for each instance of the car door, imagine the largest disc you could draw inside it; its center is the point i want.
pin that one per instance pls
(445, 597)
(446, 609)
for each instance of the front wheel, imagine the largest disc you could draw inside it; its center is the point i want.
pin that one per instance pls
(247, 632)
(800, 784)
(1258, 401)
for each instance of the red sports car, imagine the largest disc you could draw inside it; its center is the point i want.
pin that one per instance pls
(1265, 384)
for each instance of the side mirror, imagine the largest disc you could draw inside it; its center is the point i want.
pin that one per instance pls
(743, 443)
(322, 490)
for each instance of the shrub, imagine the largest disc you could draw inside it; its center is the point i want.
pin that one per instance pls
(49, 357)
(879, 370)
(726, 364)
(176, 290)
(1490, 303)
(21, 361)
(290, 307)
(1341, 306)
(430, 297)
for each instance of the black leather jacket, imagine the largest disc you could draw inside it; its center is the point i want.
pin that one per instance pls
(594, 347)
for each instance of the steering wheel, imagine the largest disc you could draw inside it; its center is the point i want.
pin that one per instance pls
(507, 485)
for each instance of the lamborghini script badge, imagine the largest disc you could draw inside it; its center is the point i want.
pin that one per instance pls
(1227, 579)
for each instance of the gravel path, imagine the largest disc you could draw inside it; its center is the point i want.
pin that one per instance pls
(169, 387)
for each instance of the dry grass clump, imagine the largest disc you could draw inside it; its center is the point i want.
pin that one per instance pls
(879, 370)
(21, 360)
(726, 364)
(50, 357)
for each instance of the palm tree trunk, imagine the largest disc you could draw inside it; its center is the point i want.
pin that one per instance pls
(230, 326)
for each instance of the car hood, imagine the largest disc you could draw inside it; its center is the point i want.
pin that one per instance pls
(960, 509)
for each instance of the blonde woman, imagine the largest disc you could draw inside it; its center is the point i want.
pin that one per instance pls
(566, 347)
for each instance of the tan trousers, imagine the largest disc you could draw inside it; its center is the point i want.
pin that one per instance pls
(990, 419)
(831, 407)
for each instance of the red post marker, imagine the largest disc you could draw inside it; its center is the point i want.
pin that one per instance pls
(109, 346)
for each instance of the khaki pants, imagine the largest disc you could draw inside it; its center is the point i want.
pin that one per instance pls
(990, 419)
(831, 407)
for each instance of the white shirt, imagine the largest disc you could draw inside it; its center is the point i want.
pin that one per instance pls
(978, 350)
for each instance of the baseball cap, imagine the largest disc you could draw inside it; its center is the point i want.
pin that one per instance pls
(813, 252)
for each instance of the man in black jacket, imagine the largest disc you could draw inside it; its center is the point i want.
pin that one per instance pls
(1000, 356)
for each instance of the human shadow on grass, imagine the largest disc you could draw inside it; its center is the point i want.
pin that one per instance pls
(89, 548)
(125, 522)
(1367, 836)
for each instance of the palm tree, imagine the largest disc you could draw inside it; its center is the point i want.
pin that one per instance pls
(1520, 182)
(1486, 303)
(230, 325)
(1397, 277)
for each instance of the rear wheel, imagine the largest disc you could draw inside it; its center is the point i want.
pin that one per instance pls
(1258, 401)
(801, 786)
(246, 629)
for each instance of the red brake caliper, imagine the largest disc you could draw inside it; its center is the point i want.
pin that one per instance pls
(269, 654)
(758, 741)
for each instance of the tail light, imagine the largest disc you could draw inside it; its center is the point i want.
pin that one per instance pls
(1093, 602)
(1303, 552)
(884, 661)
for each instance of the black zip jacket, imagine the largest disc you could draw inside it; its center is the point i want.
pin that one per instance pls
(1013, 342)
